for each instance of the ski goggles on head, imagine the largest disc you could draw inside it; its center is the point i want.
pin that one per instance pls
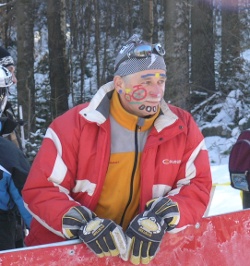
(142, 51)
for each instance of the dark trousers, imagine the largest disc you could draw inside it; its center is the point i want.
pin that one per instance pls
(246, 200)
(7, 230)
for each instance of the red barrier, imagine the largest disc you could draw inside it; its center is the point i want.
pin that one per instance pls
(218, 240)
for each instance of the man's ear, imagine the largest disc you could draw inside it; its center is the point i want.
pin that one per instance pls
(119, 83)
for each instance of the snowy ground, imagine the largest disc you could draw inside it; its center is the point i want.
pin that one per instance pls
(225, 198)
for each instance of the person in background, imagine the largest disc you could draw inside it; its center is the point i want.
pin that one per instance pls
(121, 171)
(8, 119)
(7, 61)
(9, 130)
(14, 169)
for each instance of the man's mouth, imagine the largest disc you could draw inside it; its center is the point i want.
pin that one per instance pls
(153, 101)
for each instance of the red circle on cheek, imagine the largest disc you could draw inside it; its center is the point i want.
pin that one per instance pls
(139, 94)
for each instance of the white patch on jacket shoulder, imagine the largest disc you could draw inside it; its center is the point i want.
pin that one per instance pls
(84, 186)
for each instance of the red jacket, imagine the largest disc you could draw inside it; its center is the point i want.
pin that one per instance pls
(71, 165)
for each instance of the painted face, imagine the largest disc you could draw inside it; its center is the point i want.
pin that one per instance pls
(142, 92)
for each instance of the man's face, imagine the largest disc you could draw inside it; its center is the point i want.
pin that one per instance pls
(140, 93)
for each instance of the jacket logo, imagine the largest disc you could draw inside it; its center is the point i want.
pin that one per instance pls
(168, 161)
(114, 162)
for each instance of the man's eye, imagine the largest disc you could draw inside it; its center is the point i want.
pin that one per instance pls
(147, 82)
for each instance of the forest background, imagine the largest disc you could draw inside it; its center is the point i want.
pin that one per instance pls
(65, 50)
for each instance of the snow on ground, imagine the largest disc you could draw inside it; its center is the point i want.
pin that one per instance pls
(225, 199)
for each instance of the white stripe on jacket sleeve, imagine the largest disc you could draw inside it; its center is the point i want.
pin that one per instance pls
(60, 169)
(190, 169)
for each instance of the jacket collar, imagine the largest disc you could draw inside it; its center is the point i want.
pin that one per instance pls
(98, 109)
(166, 117)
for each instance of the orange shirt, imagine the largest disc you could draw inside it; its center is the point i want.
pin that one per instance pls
(120, 195)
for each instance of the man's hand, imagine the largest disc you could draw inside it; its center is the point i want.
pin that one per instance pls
(103, 237)
(146, 231)
(144, 236)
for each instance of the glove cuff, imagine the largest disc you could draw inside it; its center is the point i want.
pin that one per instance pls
(75, 219)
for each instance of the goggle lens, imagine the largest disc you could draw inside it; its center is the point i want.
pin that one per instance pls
(142, 51)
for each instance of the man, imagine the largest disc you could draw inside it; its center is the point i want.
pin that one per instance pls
(126, 160)
(13, 172)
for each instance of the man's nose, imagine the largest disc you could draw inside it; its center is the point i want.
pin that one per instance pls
(156, 92)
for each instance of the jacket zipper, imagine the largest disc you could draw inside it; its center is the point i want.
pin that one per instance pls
(137, 128)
